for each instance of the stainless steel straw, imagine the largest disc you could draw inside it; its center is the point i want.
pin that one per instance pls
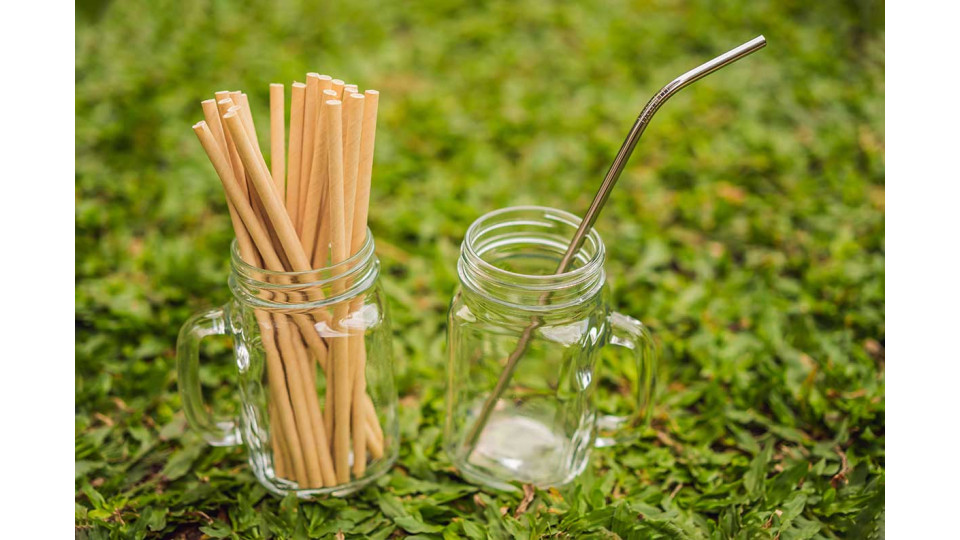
(596, 206)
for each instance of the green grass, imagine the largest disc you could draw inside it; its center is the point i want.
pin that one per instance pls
(747, 231)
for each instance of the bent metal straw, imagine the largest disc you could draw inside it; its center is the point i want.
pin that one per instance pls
(613, 174)
(296, 217)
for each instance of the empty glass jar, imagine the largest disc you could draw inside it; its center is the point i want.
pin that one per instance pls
(315, 375)
(543, 425)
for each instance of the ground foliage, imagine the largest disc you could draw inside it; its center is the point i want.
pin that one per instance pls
(748, 232)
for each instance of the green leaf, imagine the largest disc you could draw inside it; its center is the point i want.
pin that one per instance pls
(414, 525)
(391, 506)
(754, 479)
(217, 529)
(154, 518)
(472, 530)
(96, 499)
(83, 468)
(181, 461)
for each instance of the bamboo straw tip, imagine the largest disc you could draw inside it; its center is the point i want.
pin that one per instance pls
(338, 82)
(199, 125)
(208, 102)
(356, 96)
(333, 102)
(276, 85)
(326, 78)
(232, 113)
(226, 101)
(329, 92)
(372, 92)
(299, 85)
(313, 74)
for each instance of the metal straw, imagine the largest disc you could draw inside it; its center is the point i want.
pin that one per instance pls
(596, 206)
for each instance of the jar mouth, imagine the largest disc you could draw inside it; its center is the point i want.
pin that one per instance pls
(541, 234)
(315, 276)
(311, 288)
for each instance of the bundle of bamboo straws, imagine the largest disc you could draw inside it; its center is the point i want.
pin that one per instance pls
(306, 214)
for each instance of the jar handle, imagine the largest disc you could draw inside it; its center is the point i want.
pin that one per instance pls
(631, 334)
(208, 323)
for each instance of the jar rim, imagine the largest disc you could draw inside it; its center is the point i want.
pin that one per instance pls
(315, 276)
(309, 289)
(589, 268)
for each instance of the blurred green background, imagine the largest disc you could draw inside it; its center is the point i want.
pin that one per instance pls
(747, 231)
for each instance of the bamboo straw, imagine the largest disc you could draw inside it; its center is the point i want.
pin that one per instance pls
(352, 122)
(320, 83)
(281, 457)
(211, 115)
(368, 139)
(277, 132)
(329, 402)
(225, 106)
(321, 253)
(358, 353)
(250, 129)
(321, 250)
(271, 201)
(359, 229)
(374, 431)
(297, 98)
(304, 357)
(341, 374)
(243, 106)
(317, 185)
(337, 86)
(223, 103)
(326, 82)
(252, 227)
(241, 100)
(311, 110)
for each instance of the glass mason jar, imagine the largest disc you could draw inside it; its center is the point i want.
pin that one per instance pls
(511, 310)
(318, 402)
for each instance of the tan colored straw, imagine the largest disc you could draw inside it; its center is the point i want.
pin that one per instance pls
(277, 132)
(294, 151)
